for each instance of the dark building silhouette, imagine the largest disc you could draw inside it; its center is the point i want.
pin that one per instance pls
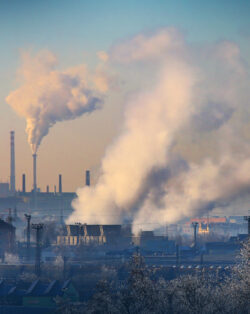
(7, 237)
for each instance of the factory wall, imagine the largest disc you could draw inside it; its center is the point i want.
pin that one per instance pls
(92, 235)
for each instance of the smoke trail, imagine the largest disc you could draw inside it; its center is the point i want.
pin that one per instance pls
(48, 95)
(151, 122)
(201, 118)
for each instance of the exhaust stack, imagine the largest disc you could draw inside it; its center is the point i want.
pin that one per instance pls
(24, 183)
(12, 163)
(87, 177)
(34, 173)
(60, 184)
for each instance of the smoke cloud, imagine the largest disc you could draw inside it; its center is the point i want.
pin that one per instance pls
(48, 96)
(194, 192)
(151, 121)
(184, 145)
(185, 142)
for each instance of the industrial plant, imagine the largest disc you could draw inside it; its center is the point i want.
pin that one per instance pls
(54, 203)
(37, 243)
(125, 157)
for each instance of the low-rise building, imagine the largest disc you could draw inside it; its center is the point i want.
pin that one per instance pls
(90, 234)
(38, 295)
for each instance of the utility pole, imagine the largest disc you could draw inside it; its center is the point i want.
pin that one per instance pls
(28, 218)
(195, 224)
(247, 218)
(38, 228)
(166, 231)
(15, 214)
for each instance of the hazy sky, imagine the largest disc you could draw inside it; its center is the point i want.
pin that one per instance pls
(75, 31)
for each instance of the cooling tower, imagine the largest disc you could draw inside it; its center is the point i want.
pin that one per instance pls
(12, 163)
(34, 173)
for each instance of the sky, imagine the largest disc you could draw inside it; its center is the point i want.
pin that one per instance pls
(75, 31)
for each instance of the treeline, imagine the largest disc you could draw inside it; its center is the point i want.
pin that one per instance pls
(197, 294)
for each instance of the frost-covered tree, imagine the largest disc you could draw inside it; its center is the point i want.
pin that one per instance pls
(190, 294)
(193, 294)
(103, 300)
(238, 285)
(140, 294)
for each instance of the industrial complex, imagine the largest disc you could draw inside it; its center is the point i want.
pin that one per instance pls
(34, 238)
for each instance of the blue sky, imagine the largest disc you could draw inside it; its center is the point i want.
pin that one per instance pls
(75, 30)
(68, 26)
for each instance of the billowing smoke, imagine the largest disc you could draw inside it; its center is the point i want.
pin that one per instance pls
(151, 122)
(194, 192)
(184, 145)
(47, 95)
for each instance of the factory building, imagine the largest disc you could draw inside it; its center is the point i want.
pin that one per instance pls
(115, 236)
(7, 237)
(149, 241)
(90, 235)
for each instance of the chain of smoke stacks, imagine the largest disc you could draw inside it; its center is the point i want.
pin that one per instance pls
(13, 175)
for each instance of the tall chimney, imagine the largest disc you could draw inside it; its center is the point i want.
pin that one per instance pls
(24, 183)
(87, 177)
(60, 184)
(47, 189)
(34, 173)
(12, 162)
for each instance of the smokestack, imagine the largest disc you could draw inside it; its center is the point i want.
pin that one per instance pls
(12, 162)
(24, 183)
(47, 188)
(28, 218)
(195, 224)
(38, 228)
(60, 184)
(34, 173)
(87, 177)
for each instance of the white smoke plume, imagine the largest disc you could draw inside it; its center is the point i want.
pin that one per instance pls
(48, 96)
(194, 192)
(151, 121)
(151, 46)
(184, 146)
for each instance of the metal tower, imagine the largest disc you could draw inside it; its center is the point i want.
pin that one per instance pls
(28, 218)
(38, 228)
(195, 224)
